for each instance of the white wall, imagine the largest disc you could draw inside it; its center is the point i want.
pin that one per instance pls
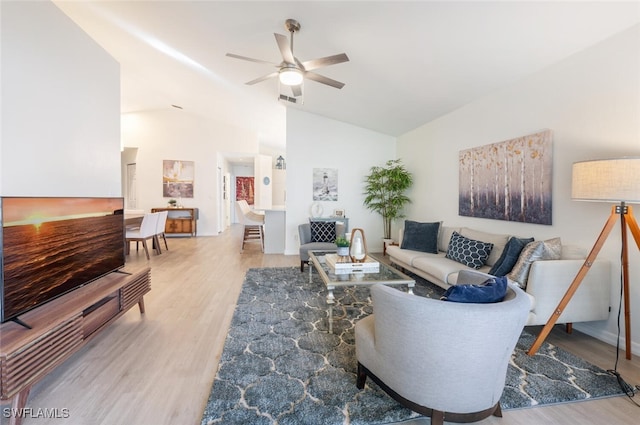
(57, 139)
(179, 135)
(591, 101)
(317, 142)
(263, 192)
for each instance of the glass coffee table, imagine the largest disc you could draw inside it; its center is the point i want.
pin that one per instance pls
(386, 275)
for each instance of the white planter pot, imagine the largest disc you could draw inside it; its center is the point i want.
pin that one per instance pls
(343, 251)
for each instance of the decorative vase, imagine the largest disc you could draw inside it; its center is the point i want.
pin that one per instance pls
(358, 244)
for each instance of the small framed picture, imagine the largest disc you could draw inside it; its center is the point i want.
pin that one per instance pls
(338, 213)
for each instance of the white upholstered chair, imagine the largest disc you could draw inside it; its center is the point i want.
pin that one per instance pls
(441, 359)
(253, 223)
(162, 223)
(147, 230)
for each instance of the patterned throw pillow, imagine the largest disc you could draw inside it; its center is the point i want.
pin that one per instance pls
(551, 249)
(323, 231)
(467, 251)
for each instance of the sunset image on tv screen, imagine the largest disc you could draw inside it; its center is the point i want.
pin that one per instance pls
(53, 245)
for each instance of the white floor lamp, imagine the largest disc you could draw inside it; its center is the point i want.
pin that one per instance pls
(606, 180)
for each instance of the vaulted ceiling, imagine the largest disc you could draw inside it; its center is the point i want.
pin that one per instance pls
(410, 62)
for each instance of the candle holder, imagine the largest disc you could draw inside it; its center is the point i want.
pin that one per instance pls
(358, 244)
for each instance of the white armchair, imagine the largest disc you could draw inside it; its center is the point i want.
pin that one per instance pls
(441, 359)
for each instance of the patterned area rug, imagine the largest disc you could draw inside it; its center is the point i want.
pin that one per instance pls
(281, 366)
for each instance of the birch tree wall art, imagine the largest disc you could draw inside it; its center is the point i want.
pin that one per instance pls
(510, 180)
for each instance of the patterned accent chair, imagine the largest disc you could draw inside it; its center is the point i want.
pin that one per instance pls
(307, 244)
(441, 359)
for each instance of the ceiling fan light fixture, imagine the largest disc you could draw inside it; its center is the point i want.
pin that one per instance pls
(291, 71)
(290, 76)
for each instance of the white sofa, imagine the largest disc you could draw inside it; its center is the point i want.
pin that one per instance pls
(547, 281)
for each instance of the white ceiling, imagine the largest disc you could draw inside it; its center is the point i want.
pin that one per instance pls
(410, 62)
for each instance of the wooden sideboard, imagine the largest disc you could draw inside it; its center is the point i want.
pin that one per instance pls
(60, 328)
(180, 220)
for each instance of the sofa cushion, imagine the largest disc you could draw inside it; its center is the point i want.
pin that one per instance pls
(491, 291)
(470, 252)
(509, 257)
(437, 265)
(499, 242)
(570, 252)
(420, 236)
(407, 256)
(323, 231)
(550, 249)
(445, 236)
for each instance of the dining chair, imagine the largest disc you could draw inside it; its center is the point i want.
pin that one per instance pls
(147, 230)
(162, 223)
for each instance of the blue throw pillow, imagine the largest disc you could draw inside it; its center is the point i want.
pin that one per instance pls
(420, 236)
(491, 291)
(509, 256)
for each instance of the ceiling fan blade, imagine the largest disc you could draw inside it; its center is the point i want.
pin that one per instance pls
(264, 77)
(324, 80)
(285, 48)
(321, 62)
(297, 90)
(232, 55)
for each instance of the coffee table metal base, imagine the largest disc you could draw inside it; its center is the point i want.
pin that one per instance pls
(330, 298)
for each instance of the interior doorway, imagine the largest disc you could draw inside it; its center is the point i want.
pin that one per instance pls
(131, 192)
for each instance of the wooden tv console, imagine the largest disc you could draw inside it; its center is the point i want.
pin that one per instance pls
(60, 328)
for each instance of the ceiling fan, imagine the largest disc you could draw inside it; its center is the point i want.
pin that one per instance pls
(291, 71)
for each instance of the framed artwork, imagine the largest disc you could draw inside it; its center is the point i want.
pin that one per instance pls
(325, 184)
(338, 213)
(177, 178)
(224, 187)
(510, 180)
(245, 189)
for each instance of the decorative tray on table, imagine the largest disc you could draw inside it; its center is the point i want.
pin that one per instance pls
(339, 266)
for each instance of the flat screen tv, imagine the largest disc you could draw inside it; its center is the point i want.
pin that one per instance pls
(51, 246)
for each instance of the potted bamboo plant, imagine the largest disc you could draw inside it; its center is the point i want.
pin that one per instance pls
(385, 192)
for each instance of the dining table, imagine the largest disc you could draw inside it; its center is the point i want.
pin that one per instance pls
(132, 220)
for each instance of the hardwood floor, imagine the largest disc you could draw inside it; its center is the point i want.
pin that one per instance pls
(158, 368)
